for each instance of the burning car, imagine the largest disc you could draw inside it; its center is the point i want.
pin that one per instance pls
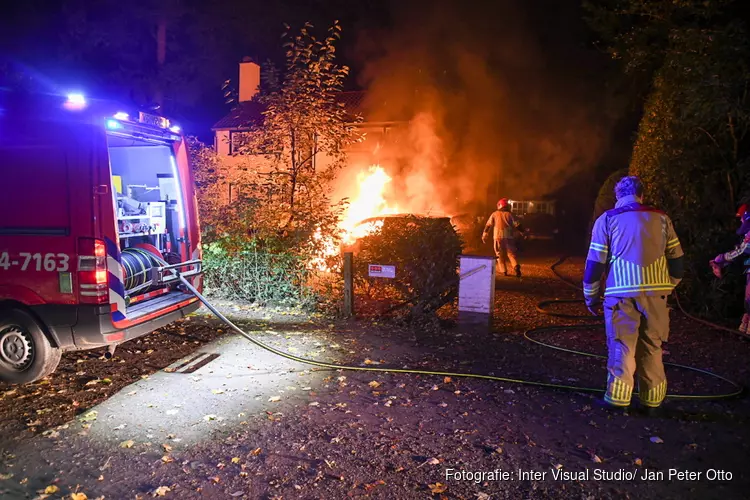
(387, 223)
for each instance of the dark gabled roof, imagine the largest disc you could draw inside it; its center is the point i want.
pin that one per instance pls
(244, 115)
(249, 113)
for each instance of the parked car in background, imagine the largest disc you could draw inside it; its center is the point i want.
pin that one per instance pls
(539, 226)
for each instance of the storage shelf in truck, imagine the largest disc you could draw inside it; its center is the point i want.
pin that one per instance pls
(98, 217)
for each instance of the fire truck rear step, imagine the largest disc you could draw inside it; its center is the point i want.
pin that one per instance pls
(143, 308)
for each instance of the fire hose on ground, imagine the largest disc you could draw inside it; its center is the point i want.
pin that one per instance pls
(736, 391)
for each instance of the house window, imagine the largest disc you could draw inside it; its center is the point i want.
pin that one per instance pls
(237, 139)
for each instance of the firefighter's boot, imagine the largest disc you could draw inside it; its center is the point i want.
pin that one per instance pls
(518, 270)
(610, 408)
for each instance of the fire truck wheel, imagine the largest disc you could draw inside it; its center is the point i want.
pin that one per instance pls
(26, 354)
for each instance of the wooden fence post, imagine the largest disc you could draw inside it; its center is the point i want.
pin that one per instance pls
(348, 285)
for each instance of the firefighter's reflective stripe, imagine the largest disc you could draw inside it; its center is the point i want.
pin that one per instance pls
(598, 252)
(653, 397)
(591, 289)
(618, 392)
(640, 248)
(673, 243)
(738, 250)
(630, 277)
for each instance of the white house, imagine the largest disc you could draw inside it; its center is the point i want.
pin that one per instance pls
(248, 112)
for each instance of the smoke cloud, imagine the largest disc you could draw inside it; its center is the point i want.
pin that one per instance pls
(497, 102)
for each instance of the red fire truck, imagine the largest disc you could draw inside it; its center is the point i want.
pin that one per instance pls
(97, 216)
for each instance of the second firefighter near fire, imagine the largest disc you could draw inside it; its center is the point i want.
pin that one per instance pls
(504, 241)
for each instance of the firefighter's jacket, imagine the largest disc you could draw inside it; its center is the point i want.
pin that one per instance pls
(503, 223)
(636, 247)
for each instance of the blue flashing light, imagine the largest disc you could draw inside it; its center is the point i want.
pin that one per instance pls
(76, 99)
(121, 115)
(113, 124)
(75, 102)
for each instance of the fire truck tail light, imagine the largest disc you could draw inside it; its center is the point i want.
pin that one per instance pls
(92, 271)
(90, 263)
(91, 247)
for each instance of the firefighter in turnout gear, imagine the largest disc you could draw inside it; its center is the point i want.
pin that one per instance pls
(504, 223)
(743, 249)
(636, 248)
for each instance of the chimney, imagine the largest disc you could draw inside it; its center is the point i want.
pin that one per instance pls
(249, 79)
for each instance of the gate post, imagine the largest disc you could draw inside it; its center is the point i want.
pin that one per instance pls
(348, 285)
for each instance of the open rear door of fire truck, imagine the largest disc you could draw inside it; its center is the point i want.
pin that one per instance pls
(155, 220)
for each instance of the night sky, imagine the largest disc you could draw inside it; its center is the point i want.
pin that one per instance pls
(105, 49)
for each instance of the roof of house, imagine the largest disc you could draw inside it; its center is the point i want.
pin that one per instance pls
(243, 115)
(249, 113)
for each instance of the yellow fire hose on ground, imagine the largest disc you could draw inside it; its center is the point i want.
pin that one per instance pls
(737, 388)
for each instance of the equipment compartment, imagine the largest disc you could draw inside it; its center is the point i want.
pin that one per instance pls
(150, 217)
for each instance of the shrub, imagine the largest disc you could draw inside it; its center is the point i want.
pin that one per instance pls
(253, 275)
(692, 155)
(425, 252)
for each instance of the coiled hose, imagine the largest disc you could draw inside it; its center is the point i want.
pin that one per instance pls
(737, 388)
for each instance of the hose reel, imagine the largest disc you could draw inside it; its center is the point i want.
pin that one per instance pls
(137, 264)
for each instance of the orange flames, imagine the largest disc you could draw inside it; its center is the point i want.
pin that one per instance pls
(368, 202)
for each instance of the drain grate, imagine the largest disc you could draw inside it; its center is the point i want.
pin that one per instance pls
(196, 362)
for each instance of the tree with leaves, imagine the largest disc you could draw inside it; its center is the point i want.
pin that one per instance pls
(692, 146)
(303, 137)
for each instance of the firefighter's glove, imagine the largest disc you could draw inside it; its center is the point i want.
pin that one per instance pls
(716, 269)
(594, 309)
(484, 237)
(720, 259)
(592, 304)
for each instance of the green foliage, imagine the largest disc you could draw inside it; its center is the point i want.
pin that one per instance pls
(692, 145)
(692, 150)
(638, 32)
(241, 270)
(219, 218)
(425, 252)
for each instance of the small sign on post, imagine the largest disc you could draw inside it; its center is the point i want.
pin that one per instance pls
(380, 271)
